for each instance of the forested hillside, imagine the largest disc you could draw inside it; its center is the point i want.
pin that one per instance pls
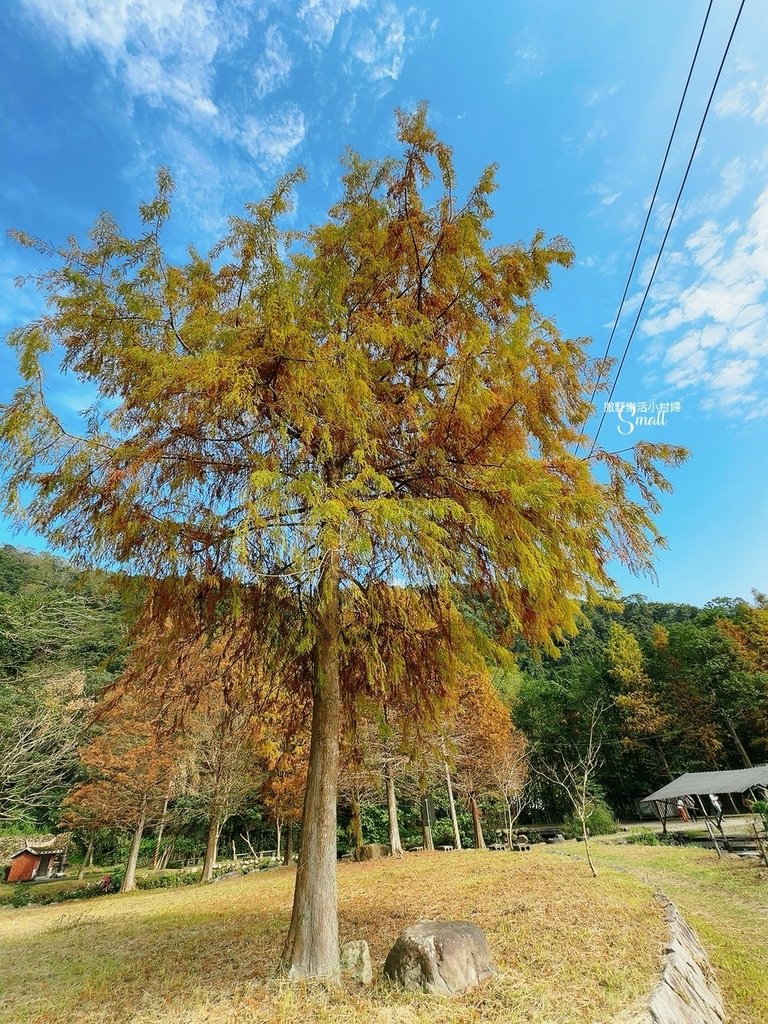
(684, 689)
(62, 638)
(681, 689)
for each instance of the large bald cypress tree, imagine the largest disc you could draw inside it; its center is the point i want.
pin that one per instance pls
(375, 400)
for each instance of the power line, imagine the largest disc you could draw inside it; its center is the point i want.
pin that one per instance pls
(648, 214)
(669, 224)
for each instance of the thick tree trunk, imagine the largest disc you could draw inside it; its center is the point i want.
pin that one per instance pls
(312, 947)
(129, 879)
(88, 856)
(452, 805)
(477, 824)
(211, 844)
(395, 845)
(288, 852)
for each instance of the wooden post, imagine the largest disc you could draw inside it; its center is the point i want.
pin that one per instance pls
(760, 843)
(712, 837)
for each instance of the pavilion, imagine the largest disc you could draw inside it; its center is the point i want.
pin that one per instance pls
(741, 780)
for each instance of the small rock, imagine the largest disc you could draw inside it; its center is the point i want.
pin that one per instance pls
(356, 961)
(229, 874)
(439, 957)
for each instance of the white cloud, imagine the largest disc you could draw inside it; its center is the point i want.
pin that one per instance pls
(319, 18)
(723, 350)
(162, 50)
(275, 64)
(598, 94)
(748, 98)
(382, 46)
(271, 139)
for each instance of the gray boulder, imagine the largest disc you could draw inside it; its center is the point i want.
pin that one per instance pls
(372, 851)
(439, 957)
(356, 961)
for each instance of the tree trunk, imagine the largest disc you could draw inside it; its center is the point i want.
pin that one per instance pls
(278, 839)
(664, 761)
(585, 837)
(355, 830)
(288, 852)
(312, 946)
(160, 829)
(452, 805)
(477, 825)
(87, 856)
(395, 845)
(426, 830)
(508, 822)
(735, 737)
(129, 878)
(211, 844)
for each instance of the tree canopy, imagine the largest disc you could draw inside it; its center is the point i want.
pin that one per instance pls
(366, 412)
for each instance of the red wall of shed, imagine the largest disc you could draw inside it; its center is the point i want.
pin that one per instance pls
(22, 867)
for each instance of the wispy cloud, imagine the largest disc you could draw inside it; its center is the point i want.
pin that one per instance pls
(162, 50)
(319, 18)
(721, 319)
(274, 66)
(273, 138)
(749, 97)
(382, 46)
(211, 87)
(600, 93)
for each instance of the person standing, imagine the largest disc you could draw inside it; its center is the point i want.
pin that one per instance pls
(681, 811)
(690, 806)
(717, 807)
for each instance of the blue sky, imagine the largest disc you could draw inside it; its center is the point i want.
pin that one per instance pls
(573, 101)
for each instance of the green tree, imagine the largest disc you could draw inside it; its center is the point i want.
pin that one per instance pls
(374, 399)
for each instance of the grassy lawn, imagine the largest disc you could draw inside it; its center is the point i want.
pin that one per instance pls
(726, 901)
(570, 948)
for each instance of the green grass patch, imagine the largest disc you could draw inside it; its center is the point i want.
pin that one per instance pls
(725, 900)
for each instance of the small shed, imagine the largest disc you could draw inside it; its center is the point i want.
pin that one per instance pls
(36, 862)
(740, 780)
(700, 783)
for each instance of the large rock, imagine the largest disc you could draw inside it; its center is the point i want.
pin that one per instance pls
(439, 957)
(356, 961)
(372, 851)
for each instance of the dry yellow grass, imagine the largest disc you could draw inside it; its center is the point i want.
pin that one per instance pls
(570, 948)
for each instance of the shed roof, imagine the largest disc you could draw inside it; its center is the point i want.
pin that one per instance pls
(38, 851)
(700, 783)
